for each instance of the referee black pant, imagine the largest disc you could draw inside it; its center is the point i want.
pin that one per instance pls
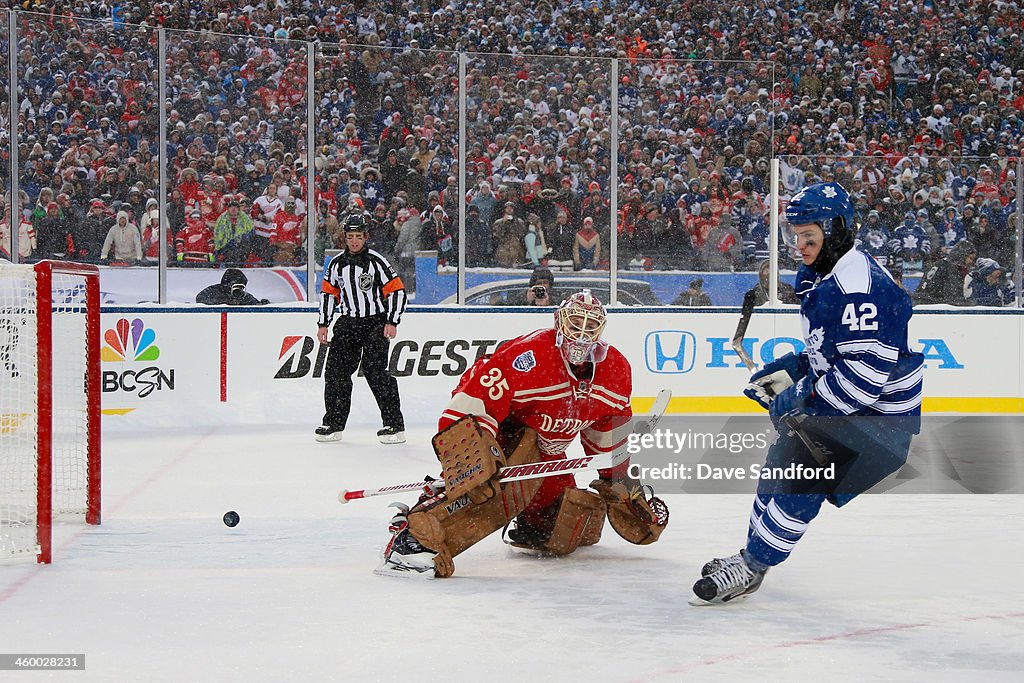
(355, 339)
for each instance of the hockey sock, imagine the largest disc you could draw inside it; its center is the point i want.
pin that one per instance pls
(760, 503)
(781, 525)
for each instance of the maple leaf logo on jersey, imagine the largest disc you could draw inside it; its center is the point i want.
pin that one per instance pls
(829, 192)
(814, 341)
(525, 361)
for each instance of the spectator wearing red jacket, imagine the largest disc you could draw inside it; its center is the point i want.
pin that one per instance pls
(194, 242)
(286, 239)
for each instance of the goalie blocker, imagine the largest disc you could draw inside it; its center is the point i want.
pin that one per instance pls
(443, 524)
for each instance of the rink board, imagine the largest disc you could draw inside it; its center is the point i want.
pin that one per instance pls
(224, 366)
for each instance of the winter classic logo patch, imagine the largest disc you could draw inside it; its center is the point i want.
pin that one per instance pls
(525, 362)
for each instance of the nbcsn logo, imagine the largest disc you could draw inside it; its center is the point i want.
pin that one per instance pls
(133, 342)
(129, 341)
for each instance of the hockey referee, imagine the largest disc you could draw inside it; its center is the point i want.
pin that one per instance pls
(365, 292)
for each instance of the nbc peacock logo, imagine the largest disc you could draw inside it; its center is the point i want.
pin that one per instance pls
(133, 342)
(129, 342)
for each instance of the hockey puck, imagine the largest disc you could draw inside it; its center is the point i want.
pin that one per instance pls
(231, 518)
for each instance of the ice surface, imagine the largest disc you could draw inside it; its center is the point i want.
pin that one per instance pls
(893, 587)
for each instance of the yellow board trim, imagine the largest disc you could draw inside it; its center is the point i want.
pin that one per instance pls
(117, 411)
(742, 404)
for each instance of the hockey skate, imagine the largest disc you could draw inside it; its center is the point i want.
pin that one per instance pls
(327, 433)
(725, 579)
(391, 435)
(527, 537)
(404, 555)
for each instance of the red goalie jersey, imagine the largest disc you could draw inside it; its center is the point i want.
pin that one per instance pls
(529, 380)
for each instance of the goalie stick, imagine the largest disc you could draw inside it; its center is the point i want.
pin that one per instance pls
(538, 470)
(818, 451)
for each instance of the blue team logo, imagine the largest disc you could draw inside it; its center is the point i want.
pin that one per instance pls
(670, 352)
(815, 339)
(525, 362)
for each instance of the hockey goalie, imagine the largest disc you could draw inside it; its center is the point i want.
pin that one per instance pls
(524, 404)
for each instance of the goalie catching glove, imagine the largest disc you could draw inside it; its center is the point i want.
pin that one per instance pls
(636, 514)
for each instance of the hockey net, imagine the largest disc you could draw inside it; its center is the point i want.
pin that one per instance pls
(49, 403)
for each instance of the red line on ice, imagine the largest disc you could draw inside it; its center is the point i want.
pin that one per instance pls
(748, 654)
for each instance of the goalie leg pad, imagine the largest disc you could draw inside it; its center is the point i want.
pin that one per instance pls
(578, 509)
(636, 517)
(470, 458)
(449, 525)
(592, 532)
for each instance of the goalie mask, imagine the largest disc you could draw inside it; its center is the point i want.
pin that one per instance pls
(828, 205)
(579, 322)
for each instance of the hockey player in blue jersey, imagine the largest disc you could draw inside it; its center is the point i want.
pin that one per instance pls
(853, 394)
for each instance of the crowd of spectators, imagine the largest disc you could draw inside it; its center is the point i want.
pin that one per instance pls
(917, 112)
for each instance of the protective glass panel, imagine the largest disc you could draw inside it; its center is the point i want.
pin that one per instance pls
(90, 143)
(537, 172)
(236, 144)
(694, 143)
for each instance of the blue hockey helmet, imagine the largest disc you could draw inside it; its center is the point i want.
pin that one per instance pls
(829, 206)
(821, 203)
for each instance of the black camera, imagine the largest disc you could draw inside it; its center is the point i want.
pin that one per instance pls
(540, 291)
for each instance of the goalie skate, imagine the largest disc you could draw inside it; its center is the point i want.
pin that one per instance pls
(404, 555)
(729, 578)
(527, 537)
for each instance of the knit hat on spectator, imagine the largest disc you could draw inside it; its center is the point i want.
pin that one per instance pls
(987, 266)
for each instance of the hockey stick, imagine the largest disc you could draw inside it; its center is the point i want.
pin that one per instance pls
(538, 470)
(818, 451)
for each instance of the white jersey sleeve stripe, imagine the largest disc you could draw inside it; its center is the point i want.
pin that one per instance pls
(467, 405)
(604, 390)
(858, 394)
(602, 399)
(907, 381)
(541, 390)
(549, 397)
(867, 373)
(822, 388)
(872, 346)
(896, 407)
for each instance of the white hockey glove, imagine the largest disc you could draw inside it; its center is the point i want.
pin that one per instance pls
(764, 389)
(774, 378)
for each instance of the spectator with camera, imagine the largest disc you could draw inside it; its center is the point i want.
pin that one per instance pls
(540, 291)
(229, 292)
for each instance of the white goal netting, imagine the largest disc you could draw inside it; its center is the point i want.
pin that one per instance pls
(44, 379)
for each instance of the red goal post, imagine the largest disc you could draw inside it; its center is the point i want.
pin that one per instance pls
(49, 403)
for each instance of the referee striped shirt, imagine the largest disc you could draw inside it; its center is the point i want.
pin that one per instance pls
(361, 286)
